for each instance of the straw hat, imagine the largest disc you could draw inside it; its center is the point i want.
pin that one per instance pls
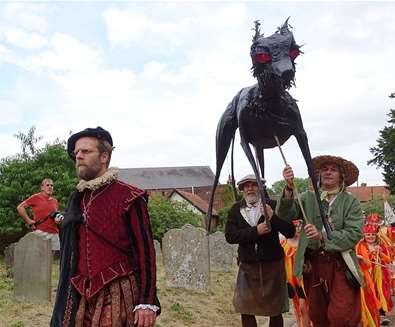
(349, 170)
(248, 178)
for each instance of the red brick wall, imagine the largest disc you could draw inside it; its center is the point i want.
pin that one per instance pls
(203, 191)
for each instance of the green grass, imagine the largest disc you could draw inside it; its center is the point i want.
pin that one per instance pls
(180, 307)
(181, 313)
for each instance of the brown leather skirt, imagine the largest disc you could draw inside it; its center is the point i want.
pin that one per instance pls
(261, 289)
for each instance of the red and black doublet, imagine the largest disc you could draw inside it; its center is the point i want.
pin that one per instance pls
(105, 237)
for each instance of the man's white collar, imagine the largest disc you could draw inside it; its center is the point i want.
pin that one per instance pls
(110, 175)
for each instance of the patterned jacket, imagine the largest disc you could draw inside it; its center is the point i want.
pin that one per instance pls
(97, 248)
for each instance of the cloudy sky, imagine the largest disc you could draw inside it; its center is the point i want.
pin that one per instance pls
(159, 75)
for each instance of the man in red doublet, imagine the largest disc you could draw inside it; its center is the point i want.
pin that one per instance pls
(108, 272)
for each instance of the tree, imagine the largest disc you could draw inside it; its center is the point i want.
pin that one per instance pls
(384, 152)
(166, 215)
(377, 205)
(21, 175)
(28, 142)
(301, 184)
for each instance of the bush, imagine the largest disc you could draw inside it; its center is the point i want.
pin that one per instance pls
(21, 175)
(377, 205)
(223, 216)
(166, 215)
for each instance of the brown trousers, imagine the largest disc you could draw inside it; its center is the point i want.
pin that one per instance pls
(332, 301)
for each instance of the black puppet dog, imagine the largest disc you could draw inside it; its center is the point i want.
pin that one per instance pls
(265, 110)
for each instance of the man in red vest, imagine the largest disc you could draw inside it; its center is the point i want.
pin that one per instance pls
(107, 269)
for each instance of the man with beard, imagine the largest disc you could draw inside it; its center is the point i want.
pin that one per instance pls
(331, 275)
(107, 268)
(261, 281)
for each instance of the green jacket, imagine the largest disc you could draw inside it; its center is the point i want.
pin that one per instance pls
(346, 216)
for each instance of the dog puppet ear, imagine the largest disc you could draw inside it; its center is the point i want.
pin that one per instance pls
(284, 29)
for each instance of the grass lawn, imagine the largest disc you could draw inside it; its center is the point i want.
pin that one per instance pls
(179, 307)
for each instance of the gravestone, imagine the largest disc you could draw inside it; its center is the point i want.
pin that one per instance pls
(9, 259)
(32, 268)
(221, 253)
(158, 251)
(185, 256)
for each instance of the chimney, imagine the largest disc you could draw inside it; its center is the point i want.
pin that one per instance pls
(364, 184)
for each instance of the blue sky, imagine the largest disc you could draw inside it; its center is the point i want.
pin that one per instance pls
(158, 76)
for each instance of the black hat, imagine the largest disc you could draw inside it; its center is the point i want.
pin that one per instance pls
(98, 132)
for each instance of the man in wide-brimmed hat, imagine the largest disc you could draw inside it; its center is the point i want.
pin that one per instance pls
(329, 266)
(261, 281)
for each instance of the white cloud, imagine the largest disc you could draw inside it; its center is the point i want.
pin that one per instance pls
(29, 16)
(228, 16)
(9, 112)
(19, 38)
(9, 145)
(110, 84)
(127, 26)
(65, 53)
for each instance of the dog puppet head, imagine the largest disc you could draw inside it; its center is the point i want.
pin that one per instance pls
(273, 57)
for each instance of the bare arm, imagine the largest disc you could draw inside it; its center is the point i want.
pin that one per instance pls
(21, 208)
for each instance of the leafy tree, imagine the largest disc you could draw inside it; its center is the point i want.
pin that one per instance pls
(384, 152)
(223, 216)
(377, 205)
(166, 215)
(21, 175)
(28, 142)
(301, 184)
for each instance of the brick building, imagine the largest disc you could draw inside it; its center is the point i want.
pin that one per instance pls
(197, 180)
(365, 193)
(196, 204)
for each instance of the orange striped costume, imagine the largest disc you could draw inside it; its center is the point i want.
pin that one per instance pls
(299, 303)
(376, 294)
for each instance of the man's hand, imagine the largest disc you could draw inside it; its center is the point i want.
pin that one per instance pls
(312, 232)
(288, 175)
(269, 211)
(144, 318)
(31, 223)
(262, 229)
(58, 218)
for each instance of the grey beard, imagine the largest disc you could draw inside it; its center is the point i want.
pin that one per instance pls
(251, 199)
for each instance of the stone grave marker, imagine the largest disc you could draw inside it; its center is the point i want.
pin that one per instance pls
(32, 268)
(221, 253)
(185, 256)
(9, 259)
(158, 250)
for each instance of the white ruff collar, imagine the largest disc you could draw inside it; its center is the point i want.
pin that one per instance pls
(110, 175)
